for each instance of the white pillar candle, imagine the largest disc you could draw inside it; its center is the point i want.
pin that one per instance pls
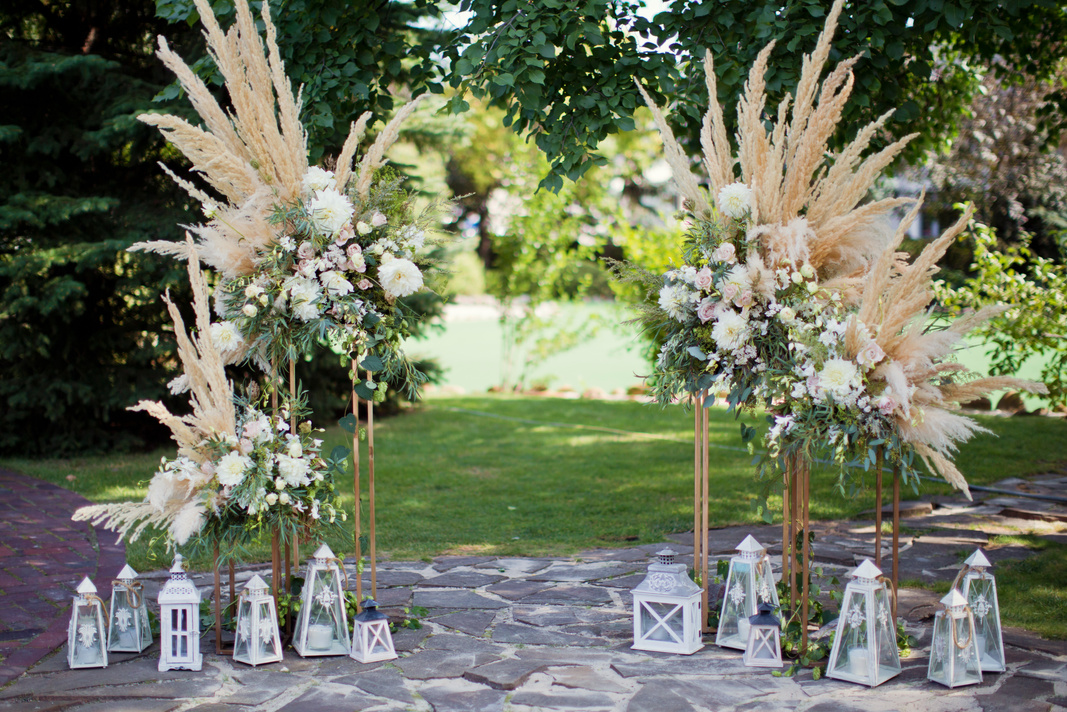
(743, 627)
(857, 661)
(320, 636)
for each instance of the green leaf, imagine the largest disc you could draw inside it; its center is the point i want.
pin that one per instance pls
(340, 452)
(363, 391)
(372, 363)
(348, 424)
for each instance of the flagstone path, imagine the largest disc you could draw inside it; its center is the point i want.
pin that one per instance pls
(528, 634)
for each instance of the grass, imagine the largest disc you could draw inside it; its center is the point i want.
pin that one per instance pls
(506, 476)
(1034, 586)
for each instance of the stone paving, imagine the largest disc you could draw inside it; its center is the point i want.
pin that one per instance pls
(43, 555)
(526, 634)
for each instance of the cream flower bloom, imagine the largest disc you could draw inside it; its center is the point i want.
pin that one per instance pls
(227, 340)
(335, 283)
(317, 179)
(735, 200)
(730, 331)
(232, 468)
(676, 300)
(293, 470)
(330, 211)
(399, 277)
(839, 377)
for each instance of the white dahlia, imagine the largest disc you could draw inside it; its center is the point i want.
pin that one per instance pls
(399, 277)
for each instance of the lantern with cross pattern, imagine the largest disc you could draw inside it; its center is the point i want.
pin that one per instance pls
(667, 609)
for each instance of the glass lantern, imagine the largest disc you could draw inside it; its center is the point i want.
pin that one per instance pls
(764, 647)
(128, 630)
(371, 640)
(179, 622)
(865, 646)
(86, 633)
(322, 624)
(257, 640)
(667, 609)
(980, 589)
(953, 647)
(748, 583)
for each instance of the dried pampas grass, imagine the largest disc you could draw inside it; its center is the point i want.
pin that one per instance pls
(173, 499)
(787, 166)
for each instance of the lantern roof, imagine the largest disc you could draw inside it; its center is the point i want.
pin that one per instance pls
(978, 560)
(866, 570)
(953, 599)
(324, 552)
(667, 581)
(86, 586)
(666, 556)
(178, 567)
(765, 616)
(178, 589)
(370, 612)
(256, 585)
(127, 573)
(751, 546)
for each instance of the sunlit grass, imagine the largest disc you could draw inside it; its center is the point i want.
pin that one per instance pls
(508, 476)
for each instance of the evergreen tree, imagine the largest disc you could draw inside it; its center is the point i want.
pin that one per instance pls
(81, 324)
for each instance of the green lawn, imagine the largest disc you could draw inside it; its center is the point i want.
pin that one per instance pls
(511, 476)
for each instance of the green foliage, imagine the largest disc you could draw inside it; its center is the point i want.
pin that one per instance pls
(565, 71)
(350, 57)
(1035, 291)
(82, 330)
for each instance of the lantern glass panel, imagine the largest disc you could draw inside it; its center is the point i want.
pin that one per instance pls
(662, 621)
(87, 637)
(981, 593)
(128, 630)
(885, 638)
(180, 633)
(853, 657)
(738, 605)
(242, 642)
(954, 653)
(324, 629)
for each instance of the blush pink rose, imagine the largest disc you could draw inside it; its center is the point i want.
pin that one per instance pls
(706, 310)
(726, 252)
(364, 284)
(703, 279)
(730, 292)
(305, 251)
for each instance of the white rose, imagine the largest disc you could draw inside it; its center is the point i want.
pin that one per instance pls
(249, 310)
(329, 211)
(231, 469)
(735, 200)
(335, 283)
(294, 449)
(399, 277)
(317, 179)
(271, 498)
(284, 498)
(787, 315)
(363, 228)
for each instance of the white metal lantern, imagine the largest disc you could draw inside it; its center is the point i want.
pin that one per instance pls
(764, 647)
(953, 647)
(257, 640)
(86, 633)
(748, 583)
(667, 609)
(980, 589)
(179, 617)
(865, 646)
(322, 624)
(371, 640)
(128, 630)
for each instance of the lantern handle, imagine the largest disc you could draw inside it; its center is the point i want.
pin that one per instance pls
(892, 592)
(970, 628)
(134, 591)
(90, 597)
(340, 565)
(959, 577)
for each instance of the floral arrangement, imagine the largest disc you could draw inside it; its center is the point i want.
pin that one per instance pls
(238, 472)
(793, 296)
(306, 255)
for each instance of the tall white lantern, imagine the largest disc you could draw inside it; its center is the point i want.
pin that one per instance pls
(667, 609)
(953, 647)
(257, 640)
(86, 633)
(128, 628)
(371, 640)
(179, 617)
(748, 582)
(322, 624)
(865, 646)
(980, 589)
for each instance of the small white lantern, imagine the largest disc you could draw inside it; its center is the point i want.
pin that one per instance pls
(953, 648)
(980, 589)
(748, 583)
(322, 624)
(764, 647)
(371, 640)
(128, 628)
(257, 640)
(86, 633)
(667, 609)
(865, 646)
(179, 616)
